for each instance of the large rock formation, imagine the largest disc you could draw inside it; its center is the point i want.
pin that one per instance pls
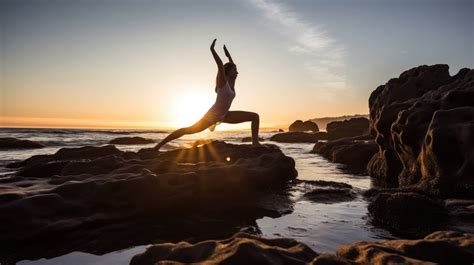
(13, 143)
(423, 122)
(75, 188)
(442, 247)
(300, 126)
(348, 128)
(324, 121)
(335, 130)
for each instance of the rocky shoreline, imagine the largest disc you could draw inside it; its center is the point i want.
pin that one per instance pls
(416, 146)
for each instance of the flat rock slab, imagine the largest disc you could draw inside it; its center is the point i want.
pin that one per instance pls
(79, 187)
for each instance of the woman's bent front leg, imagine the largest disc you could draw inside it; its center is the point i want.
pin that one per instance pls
(244, 116)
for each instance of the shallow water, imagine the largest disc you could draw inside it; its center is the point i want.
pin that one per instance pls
(323, 227)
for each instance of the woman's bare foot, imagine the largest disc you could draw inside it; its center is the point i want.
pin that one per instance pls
(157, 147)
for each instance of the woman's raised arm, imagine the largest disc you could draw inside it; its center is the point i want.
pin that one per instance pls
(220, 79)
(228, 54)
(218, 60)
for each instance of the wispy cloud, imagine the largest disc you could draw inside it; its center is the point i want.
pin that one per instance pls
(323, 55)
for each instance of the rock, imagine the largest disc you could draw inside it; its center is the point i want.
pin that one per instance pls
(447, 155)
(441, 247)
(201, 142)
(461, 214)
(423, 122)
(461, 209)
(280, 130)
(68, 154)
(324, 183)
(348, 128)
(325, 191)
(324, 121)
(249, 139)
(300, 126)
(355, 154)
(80, 188)
(240, 249)
(131, 140)
(13, 143)
(329, 195)
(297, 137)
(43, 170)
(408, 213)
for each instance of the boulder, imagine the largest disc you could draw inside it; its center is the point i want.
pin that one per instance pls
(300, 126)
(423, 122)
(326, 191)
(131, 140)
(408, 213)
(355, 153)
(13, 143)
(348, 128)
(298, 137)
(329, 195)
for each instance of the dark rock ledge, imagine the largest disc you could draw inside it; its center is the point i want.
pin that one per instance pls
(442, 247)
(14, 143)
(81, 194)
(131, 140)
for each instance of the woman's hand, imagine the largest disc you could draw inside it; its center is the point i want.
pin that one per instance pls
(213, 44)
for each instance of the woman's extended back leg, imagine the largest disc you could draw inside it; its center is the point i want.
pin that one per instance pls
(199, 126)
(244, 116)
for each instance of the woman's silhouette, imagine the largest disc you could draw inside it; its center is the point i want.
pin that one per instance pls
(219, 112)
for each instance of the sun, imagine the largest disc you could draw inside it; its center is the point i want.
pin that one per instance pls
(189, 107)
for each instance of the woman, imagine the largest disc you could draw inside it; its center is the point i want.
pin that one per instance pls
(219, 112)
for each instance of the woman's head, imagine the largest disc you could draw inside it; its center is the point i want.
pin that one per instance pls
(231, 70)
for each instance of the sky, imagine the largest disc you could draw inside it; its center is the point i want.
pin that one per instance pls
(147, 64)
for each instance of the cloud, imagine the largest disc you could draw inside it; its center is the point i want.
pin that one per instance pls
(323, 55)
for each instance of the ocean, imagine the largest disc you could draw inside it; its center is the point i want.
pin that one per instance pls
(321, 226)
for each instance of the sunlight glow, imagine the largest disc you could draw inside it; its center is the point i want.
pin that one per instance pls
(189, 108)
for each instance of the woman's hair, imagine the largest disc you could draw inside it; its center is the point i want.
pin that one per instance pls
(228, 66)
